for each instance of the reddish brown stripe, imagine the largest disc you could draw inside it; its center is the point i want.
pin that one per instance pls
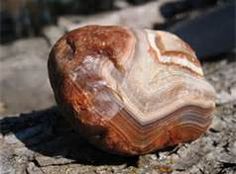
(138, 135)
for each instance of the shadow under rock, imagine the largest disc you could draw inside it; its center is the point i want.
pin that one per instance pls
(47, 132)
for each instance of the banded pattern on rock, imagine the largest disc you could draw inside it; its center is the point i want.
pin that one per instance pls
(130, 91)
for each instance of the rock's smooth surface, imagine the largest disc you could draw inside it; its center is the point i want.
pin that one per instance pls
(55, 148)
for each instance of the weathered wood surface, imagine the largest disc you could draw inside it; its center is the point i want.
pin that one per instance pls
(24, 85)
(42, 142)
